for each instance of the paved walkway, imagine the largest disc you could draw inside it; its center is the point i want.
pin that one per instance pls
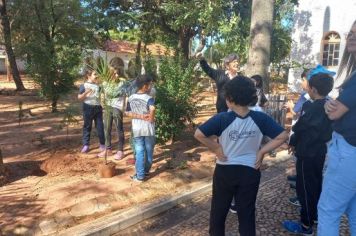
(192, 218)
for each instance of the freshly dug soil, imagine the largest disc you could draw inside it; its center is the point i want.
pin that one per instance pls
(70, 164)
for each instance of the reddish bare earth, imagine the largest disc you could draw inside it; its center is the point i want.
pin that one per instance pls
(52, 186)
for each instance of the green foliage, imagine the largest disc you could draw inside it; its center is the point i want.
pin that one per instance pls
(215, 54)
(127, 35)
(105, 75)
(69, 119)
(175, 107)
(150, 65)
(52, 36)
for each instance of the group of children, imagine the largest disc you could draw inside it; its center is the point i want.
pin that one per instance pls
(236, 136)
(139, 106)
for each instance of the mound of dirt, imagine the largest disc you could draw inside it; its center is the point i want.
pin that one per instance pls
(71, 164)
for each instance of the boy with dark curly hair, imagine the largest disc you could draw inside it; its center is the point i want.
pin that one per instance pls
(238, 153)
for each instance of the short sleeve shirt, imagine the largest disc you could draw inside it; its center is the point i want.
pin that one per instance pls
(346, 125)
(140, 104)
(94, 98)
(241, 137)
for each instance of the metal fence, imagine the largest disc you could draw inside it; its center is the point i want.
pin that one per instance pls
(275, 107)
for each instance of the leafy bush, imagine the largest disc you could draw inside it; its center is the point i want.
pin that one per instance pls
(176, 87)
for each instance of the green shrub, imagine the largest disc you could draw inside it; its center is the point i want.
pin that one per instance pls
(176, 87)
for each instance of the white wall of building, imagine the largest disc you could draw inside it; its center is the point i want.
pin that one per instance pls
(20, 65)
(313, 19)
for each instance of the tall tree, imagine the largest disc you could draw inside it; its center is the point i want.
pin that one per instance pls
(6, 30)
(260, 33)
(52, 35)
(175, 23)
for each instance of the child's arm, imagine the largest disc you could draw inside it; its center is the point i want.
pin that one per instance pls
(335, 109)
(151, 115)
(290, 106)
(84, 95)
(136, 116)
(211, 143)
(271, 145)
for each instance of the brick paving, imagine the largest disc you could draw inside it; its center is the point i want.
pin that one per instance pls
(192, 218)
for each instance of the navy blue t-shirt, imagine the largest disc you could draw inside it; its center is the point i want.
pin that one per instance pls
(240, 137)
(346, 125)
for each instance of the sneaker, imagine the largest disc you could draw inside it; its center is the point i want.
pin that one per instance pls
(297, 228)
(102, 153)
(294, 201)
(135, 178)
(119, 155)
(85, 149)
(102, 147)
(233, 209)
(147, 174)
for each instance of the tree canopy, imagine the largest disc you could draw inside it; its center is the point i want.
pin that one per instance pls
(176, 22)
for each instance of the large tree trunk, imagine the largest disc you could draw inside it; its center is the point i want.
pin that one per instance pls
(8, 46)
(183, 42)
(138, 63)
(260, 44)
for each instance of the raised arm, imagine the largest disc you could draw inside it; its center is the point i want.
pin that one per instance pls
(212, 73)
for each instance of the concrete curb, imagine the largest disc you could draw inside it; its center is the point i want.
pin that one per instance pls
(117, 221)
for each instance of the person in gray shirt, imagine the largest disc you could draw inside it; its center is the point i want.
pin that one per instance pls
(141, 109)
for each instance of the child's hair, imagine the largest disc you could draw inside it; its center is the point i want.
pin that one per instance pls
(259, 80)
(121, 72)
(87, 71)
(323, 83)
(143, 80)
(241, 91)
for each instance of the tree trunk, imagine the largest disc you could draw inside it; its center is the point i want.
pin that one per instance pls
(138, 65)
(8, 46)
(54, 104)
(183, 43)
(260, 44)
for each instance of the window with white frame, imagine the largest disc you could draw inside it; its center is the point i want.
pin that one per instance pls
(331, 49)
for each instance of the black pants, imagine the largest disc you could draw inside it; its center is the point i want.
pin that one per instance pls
(90, 114)
(116, 116)
(309, 181)
(242, 182)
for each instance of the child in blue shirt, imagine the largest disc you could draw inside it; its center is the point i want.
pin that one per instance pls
(239, 157)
